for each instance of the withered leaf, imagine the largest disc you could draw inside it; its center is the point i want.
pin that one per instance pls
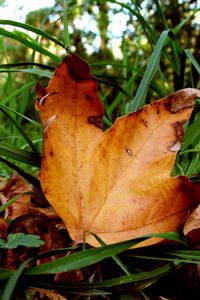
(117, 183)
(38, 293)
(192, 226)
(15, 186)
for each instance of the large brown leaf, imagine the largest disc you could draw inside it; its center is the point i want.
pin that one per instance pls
(116, 183)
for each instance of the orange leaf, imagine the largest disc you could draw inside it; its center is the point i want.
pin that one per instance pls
(38, 293)
(116, 183)
(15, 186)
(192, 226)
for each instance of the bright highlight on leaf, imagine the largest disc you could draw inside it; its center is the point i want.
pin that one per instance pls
(117, 183)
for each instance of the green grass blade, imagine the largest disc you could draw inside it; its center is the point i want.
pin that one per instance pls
(32, 29)
(121, 280)
(87, 257)
(179, 256)
(31, 179)
(108, 63)
(65, 23)
(115, 257)
(179, 26)
(177, 51)
(192, 60)
(22, 132)
(164, 258)
(9, 86)
(23, 63)
(17, 113)
(5, 274)
(9, 202)
(189, 254)
(33, 45)
(19, 155)
(161, 13)
(17, 92)
(107, 121)
(191, 133)
(34, 71)
(120, 95)
(12, 282)
(149, 73)
(121, 89)
(159, 272)
(82, 259)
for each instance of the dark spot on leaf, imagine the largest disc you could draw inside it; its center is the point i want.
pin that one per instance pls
(175, 146)
(157, 108)
(40, 91)
(45, 229)
(179, 131)
(129, 151)
(51, 153)
(88, 97)
(144, 122)
(167, 104)
(78, 68)
(95, 120)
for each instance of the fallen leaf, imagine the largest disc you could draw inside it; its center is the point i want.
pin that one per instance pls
(15, 186)
(40, 225)
(3, 229)
(192, 226)
(39, 294)
(117, 183)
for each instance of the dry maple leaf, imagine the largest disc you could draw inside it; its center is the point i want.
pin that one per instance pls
(116, 183)
(192, 226)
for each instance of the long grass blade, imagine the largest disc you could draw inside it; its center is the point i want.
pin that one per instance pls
(149, 73)
(19, 155)
(12, 282)
(192, 60)
(121, 280)
(82, 259)
(24, 63)
(187, 254)
(10, 202)
(87, 257)
(32, 29)
(191, 133)
(33, 45)
(22, 132)
(37, 124)
(127, 86)
(34, 71)
(115, 257)
(31, 179)
(5, 274)
(17, 92)
(65, 23)
(182, 256)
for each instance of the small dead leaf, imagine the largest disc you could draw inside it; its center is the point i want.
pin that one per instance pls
(42, 294)
(3, 229)
(192, 226)
(117, 183)
(37, 224)
(15, 186)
